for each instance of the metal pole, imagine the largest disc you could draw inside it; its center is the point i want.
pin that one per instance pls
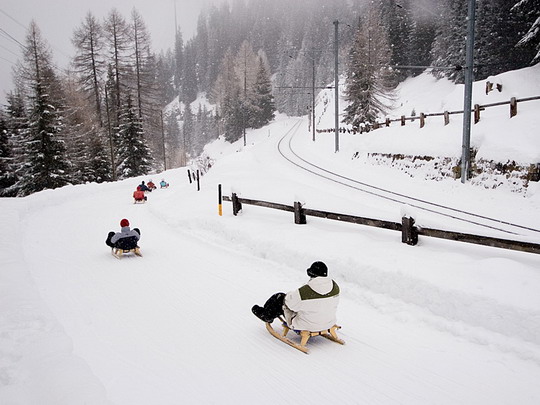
(163, 139)
(336, 80)
(313, 99)
(244, 103)
(469, 77)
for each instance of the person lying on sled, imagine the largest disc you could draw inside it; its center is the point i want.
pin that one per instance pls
(311, 307)
(126, 239)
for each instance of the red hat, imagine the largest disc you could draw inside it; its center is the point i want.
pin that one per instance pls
(124, 222)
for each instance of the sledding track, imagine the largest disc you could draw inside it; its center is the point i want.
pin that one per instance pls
(286, 151)
(175, 326)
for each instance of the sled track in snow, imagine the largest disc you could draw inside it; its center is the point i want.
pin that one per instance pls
(393, 196)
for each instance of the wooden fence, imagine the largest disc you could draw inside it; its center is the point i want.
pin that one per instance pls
(513, 103)
(409, 232)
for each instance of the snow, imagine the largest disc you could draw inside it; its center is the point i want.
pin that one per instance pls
(442, 322)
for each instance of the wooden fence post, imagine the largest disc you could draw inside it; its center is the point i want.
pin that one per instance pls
(409, 233)
(402, 120)
(387, 122)
(198, 183)
(299, 215)
(189, 176)
(476, 113)
(513, 107)
(422, 120)
(446, 118)
(236, 204)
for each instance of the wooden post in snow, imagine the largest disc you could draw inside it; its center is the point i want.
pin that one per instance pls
(299, 215)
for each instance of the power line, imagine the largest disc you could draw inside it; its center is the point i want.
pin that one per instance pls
(7, 60)
(13, 19)
(9, 50)
(6, 34)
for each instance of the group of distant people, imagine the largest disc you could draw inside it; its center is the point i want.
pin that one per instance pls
(139, 194)
(127, 238)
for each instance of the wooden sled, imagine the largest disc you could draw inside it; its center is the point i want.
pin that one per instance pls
(118, 253)
(305, 335)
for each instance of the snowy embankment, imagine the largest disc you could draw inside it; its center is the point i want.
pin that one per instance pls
(442, 322)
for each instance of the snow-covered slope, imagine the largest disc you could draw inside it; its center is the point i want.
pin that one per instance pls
(442, 322)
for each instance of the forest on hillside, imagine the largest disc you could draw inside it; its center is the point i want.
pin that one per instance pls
(110, 116)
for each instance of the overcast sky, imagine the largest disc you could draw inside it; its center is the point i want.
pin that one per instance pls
(58, 18)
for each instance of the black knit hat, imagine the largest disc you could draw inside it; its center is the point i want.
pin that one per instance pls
(317, 269)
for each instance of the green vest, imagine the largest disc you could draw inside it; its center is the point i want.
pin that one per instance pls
(307, 293)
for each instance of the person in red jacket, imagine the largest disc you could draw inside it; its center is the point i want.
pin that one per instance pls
(138, 195)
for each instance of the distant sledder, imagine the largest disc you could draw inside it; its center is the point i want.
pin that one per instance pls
(139, 197)
(163, 184)
(151, 186)
(125, 241)
(309, 310)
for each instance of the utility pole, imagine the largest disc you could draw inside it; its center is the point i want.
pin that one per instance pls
(336, 80)
(469, 77)
(313, 97)
(244, 104)
(163, 139)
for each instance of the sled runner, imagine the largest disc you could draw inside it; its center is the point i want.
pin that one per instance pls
(118, 253)
(305, 335)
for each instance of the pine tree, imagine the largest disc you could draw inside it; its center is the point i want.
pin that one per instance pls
(7, 178)
(179, 63)
(46, 166)
(264, 100)
(368, 84)
(226, 94)
(116, 34)
(529, 11)
(133, 154)
(89, 61)
(45, 163)
(98, 168)
(397, 19)
(189, 83)
(16, 130)
(188, 129)
(174, 145)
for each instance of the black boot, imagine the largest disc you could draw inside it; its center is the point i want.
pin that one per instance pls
(260, 313)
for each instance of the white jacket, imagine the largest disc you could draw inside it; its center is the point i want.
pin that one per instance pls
(313, 306)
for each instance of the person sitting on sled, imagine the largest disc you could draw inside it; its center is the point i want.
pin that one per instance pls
(163, 183)
(151, 185)
(311, 307)
(126, 239)
(143, 187)
(138, 195)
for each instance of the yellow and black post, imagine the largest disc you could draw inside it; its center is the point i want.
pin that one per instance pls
(220, 201)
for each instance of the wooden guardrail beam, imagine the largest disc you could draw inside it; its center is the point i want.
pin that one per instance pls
(409, 232)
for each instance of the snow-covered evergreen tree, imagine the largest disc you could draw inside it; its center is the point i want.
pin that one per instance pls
(15, 129)
(264, 99)
(133, 153)
(188, 129)
(529, 10)
(369, 80)
(45, 164)
(7, 178)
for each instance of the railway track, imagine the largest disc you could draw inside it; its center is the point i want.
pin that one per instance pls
(286, 151)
